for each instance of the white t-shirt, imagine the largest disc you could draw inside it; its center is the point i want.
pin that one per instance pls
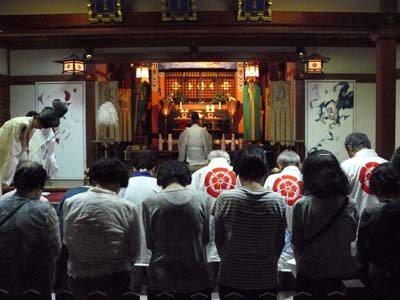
(139, 189)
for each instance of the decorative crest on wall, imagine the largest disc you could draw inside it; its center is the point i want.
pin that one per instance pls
(254, 10)
(104, 11)
(179, 10)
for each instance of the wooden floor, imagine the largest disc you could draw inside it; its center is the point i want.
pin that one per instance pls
(282, 296)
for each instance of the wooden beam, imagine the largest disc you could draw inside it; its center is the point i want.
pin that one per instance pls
(388, 6)
(23, 80)
(212, 28)
(317, 20)
(227, 55)
(358, 77)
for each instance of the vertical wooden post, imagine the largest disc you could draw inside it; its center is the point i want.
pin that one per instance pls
(385, 96)
(90, 115)
(300, 122)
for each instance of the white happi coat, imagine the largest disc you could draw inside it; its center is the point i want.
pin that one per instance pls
(358, 170)
(41, 150)
(194, 144)
(212, 179)
(288, 183)
(14, 136)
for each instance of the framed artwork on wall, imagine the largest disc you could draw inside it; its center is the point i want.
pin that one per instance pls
(179, 10)
(70, 136)
(104, 11)
(254, 10)
(329, 115)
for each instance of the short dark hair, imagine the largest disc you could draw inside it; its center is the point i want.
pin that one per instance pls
(173, 171)
(250, 163)
(195, 116)
(29, 175)
(323, 176)
(385, 181)
(108, 171)
(144, 160)
(356, 141)
(396, 159)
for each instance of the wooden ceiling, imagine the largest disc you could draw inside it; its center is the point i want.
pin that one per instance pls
(146, 29)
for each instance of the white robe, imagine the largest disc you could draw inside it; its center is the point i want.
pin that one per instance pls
(194, 144)
(358, 170)
(14, 137)
(41, 150)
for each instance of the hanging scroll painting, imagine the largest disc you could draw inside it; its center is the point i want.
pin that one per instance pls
(329, 115)
(70, 136)
(107, 109)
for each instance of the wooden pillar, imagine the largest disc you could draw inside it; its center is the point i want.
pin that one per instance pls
(4, 99)
(385, 96)
(299, 118)
(388, 6)
(90, 115)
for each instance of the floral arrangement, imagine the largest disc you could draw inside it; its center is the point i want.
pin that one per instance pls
(180, 97)
(219, 98)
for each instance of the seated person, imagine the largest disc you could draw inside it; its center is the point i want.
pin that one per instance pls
(101, 233)
(61, 278)
(214, 178)
(382, 246)
(176, 221)
(250, 227)
(29, 235)
(324, 227)
(288, 183)
(141, 186)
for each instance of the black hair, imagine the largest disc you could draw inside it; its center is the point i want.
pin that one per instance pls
(47, 118)
(109, 171)
(195, 117)
(31, 113)
(144, 160)
(250, 163)
(356, 141)
(322, 175)
(173, 171)
(396, 159)
(385, 181)
(29, 175)
(50, 116)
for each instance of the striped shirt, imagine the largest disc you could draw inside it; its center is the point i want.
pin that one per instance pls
(250, 234)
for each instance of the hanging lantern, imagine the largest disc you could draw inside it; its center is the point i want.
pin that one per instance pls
(73, 64)
(143, 73)
(251, 71)
(315, 63)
